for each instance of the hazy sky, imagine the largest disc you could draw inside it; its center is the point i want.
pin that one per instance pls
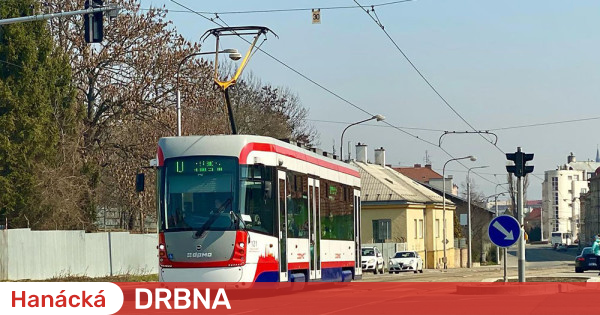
(498, 63)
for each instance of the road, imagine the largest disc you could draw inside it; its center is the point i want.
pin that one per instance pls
(541, 260)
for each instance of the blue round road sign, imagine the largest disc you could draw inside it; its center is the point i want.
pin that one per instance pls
(504, 230)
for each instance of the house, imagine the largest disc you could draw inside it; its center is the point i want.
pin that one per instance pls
(533, 223)
(395, 208)
(426, 175)
(480, 219)
(590, 211)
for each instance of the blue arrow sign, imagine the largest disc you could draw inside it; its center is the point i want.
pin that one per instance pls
(504, 231)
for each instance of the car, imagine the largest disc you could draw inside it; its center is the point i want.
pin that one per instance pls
(405, 261)
(586, 261)
(372, 260)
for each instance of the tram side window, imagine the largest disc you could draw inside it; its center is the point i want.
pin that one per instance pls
(297, 205)
(258, 198)
(337, 209)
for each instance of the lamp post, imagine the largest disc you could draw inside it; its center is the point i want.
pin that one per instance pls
(469, 231)
(378, 117)
(496, 208)
(233, 55)
(444, 241)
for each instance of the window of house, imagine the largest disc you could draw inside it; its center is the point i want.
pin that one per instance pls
(416, 228)
(437, 227)
(382, 230)
(420, 228)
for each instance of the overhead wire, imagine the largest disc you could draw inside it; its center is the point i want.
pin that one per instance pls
(282, 10)
(412, 64)
(217, 17)
(541, 124)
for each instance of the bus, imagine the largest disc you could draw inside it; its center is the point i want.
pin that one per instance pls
(240, 208)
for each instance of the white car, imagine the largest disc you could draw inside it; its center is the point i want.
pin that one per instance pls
(372, 260)
(406, 261)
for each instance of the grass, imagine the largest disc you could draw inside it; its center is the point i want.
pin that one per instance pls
(549, 279)
(121, 278)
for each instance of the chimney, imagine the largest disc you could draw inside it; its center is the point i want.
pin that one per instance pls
(417, 165)
(571, 158)
(361, 152)
(380, 156)
(428, 166)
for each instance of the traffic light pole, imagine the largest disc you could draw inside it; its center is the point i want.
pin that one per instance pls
(520, 169)
(54, 15)
(522, 232)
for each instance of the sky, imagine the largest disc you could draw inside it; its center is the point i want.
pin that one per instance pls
(497, 63)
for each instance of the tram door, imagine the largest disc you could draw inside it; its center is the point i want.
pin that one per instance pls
(357, 227)
(315, 228)
(282, 215)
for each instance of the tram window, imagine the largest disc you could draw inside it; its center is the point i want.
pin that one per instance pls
(297, 205)
(337, 209)
(258, 199)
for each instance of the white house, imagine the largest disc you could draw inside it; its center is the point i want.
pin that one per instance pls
(561, 191)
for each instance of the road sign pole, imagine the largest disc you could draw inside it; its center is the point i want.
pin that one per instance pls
(504, 259)
(503, 231)
(521, 231)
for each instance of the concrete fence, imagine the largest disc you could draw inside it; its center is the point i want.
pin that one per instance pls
(388, 250)
(37, 255)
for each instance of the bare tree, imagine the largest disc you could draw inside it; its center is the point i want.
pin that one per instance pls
(512, 191)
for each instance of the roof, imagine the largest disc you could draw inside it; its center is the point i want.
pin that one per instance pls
(456, 198)
(535, 214)
(534, 202)
(419, 173)
(588, 166)
(383, 184)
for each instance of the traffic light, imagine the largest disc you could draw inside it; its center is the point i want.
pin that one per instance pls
(520, 159)
(93, 22)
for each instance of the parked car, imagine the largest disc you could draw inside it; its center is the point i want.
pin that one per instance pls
(406, 261)
(372, 260)
(586, 261)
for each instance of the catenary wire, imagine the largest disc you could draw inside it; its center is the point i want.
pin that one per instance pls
(378, 22)
(326, 89)
(281, 10)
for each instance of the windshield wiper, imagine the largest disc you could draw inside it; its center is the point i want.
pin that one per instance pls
(212, 219)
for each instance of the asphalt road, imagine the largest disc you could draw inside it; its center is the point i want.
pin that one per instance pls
(541, 260)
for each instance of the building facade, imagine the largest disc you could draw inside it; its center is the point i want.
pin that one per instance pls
(590, 211)
(561, 197)
(396, 209)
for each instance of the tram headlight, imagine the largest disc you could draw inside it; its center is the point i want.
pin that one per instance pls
(161, 247)
(241, 244)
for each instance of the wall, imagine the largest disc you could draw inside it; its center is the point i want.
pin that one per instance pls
(370, 214)
(387, 250)
(37, 255)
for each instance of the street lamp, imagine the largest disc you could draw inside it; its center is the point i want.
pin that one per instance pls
(469, 262)
(472, 158)
(378, 117)
(233, 55)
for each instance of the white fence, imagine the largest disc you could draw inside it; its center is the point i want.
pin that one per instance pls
(37, 255)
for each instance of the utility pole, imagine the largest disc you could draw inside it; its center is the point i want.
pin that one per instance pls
(520, 169)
